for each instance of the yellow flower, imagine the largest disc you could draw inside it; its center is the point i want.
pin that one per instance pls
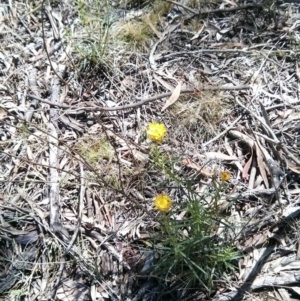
(162, 203)
(156, 131)
(225, 176)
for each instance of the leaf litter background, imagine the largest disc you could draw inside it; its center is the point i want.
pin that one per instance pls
(225, 82)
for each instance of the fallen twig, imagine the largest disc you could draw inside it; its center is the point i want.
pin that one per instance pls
(223, 133)
(275, 140)
(33, 86)
(142, 101)
(80, 209)
(54, 194)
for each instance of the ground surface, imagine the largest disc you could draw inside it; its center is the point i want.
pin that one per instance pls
(78, 85)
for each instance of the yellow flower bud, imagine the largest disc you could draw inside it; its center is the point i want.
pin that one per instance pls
(156, 131)
(162, 203)
(225, 176)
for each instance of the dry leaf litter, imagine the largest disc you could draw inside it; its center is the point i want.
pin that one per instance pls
(224, 79)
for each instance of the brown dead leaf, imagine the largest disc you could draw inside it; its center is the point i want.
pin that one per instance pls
(196, 36)
(256, 240)
(246, 168)
(163, 82)
(175, 95)
(151, 25)
(230, 152)
(126, 83)
(3, 114)
(166, 74)
(293, 167)
(140, 156)
(203, 171)
(72, 290)
(262, 166)
(286, 113)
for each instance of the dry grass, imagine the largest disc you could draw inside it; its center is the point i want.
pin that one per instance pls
(136, 34)
(96, 149)
(158, 10)
(202, 112)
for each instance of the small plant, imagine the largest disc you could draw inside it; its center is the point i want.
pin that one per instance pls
(190, 251)
(136, 34)
(196, 4)
(95, 150)
(201, 112)
(159, 9)
(91, 43)
(99, 153)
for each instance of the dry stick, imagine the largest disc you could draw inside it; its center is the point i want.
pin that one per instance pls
(58, 278)
(55, 30)
(90, 211)
(252, 172)
(264, 137)
(80, 209)
(238, 294)
(219, 10)
(275, 170)
(183, 6)
(238, 135)
(33, 86)
(265, 114)
(290, 155)
(253, 283)
(62, 80)
(143, 101)
(164, 36)
(275, 140)
(280, 105)
(194, 14)
(71, 122)
(109, 247)
(54, 194)
(188, 53)
(55, 222)
(80, 159)
(276, 173)
(250, 193)
(223, 133)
